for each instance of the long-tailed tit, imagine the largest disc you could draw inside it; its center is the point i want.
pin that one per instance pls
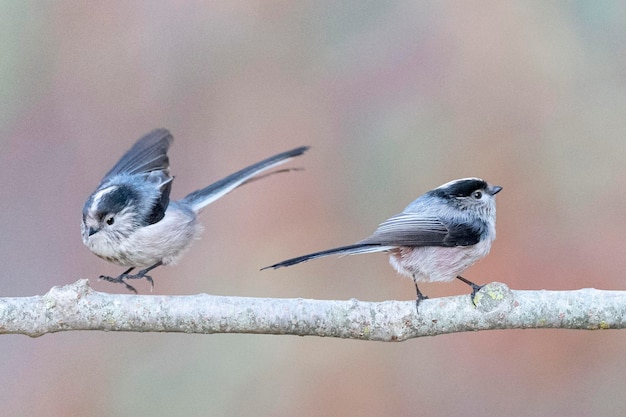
(129, 219)
(436, 238)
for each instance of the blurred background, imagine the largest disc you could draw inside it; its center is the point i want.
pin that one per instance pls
(395, 98)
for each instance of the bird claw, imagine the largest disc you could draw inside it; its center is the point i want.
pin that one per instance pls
(142, 274)
(120, 279)
(418, 300)
(475, 289)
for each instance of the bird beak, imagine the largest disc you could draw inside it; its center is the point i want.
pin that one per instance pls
(92, 231)
(494, 189)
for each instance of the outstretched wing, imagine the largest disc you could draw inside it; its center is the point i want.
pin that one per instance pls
(148, 154)
(414, 229)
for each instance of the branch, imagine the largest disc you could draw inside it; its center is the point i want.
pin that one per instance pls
(78, 307)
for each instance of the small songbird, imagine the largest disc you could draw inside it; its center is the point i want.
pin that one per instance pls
(129, 219)
(436, 238)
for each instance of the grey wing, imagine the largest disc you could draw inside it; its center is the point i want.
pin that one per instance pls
(148, 154)
(414, 229)
(409, 229)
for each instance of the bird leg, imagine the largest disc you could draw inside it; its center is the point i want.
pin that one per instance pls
(127, 275)
(475, 287)
(419, 298)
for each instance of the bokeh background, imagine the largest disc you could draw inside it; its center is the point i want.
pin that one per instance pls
(395, 98)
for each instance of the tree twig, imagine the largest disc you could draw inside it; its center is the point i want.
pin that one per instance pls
(78, 307)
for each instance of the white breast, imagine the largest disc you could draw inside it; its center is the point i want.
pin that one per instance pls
(165, 241)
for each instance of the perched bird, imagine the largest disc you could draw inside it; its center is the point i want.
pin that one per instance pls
(129, 219)
(436, 238)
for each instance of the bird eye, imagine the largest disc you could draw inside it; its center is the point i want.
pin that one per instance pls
(477, 195)
(110, 220)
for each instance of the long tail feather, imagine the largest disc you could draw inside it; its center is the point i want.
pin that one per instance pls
(205, 196)
(343, 250)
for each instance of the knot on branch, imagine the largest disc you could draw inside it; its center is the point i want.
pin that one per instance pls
(494, 297)
(76, 290)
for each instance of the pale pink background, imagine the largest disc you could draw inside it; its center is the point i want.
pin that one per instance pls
(395, 99)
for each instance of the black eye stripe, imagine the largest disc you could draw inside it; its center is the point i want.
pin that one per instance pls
(117, 199)
(464, 188)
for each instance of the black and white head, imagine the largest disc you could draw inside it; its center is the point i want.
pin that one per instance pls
(468, 194)
(124, 204)
(133, 194)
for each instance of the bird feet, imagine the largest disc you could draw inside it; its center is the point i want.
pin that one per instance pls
(418, 300)
(475, 287)
(127, 275)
